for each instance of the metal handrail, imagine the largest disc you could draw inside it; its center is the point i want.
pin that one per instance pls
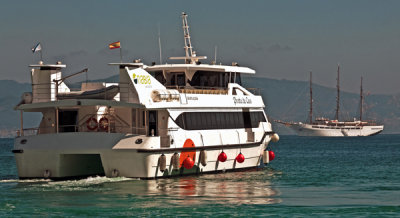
(109, 116)
(211, 89)
(81, 128)
(200, 89)
(254, 91)
(197, 87)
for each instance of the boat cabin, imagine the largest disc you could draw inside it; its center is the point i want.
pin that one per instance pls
(197, 79)
(104, 107)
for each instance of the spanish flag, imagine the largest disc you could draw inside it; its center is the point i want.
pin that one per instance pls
(115, 45)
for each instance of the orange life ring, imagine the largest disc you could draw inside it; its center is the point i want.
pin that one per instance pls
(103, 123)
(91, 123)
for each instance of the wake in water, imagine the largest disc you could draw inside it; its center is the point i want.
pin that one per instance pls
(89, 180)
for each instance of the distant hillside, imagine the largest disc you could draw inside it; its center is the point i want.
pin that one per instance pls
(10, 95)
(284, 99)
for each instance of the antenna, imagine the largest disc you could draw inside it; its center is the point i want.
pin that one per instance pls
(215, 54)
(159, 42)
(338, 94)
(361, 98)
(311, 100)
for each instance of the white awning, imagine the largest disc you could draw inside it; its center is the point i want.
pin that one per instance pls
(203, 67)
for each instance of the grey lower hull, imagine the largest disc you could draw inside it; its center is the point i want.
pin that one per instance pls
(75, 155)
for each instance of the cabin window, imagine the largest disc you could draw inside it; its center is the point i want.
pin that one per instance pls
(255, 118)
(214, 79)
(238, 79)
(180, 79)
(223, 79)
(67, 120)
(143, 118)
(219, 120)
(177, 79)
(152, 123)
(134, 118)
(246, 119)
(209, 79)
(159, 76)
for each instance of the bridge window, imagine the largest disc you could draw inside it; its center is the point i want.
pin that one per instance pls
(219, 120)
(214, 79)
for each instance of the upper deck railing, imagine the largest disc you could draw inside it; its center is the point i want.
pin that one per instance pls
(208, 90)
(105, 123)
(47, 91)
(200, 90)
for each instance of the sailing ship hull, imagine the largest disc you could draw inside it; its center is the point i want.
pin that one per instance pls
(335, 131)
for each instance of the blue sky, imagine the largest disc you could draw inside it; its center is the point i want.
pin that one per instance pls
(279, 39)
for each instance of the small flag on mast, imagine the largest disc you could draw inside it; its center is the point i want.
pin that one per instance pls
(115, 45)
(36, 48)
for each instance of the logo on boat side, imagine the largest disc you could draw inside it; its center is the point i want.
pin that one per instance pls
(242, 100)
(141, 79)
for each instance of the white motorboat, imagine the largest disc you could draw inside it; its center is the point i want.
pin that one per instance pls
(166, 120)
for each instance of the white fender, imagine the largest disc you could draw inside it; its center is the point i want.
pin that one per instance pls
(162, 163)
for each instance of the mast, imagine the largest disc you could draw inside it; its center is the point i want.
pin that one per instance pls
(159, 43)
(311, 100)
(188, 44)
(361, 99)
(191, 56)
(338, 94)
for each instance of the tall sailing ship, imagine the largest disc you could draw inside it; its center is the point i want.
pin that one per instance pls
(334, 128)
(158, 121)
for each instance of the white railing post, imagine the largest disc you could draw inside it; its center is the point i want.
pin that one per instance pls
(57, 119)
(22, 123)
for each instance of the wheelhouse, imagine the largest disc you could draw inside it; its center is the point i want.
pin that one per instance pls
(201, 76)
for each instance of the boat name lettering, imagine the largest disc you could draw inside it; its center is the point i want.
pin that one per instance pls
(193, 98)
(243, 100)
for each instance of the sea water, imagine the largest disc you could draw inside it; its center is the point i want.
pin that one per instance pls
(319, 177)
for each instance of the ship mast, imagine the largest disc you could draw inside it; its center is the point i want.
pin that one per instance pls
(361, 99)
(191, 56)
(188, 44)
(311, 100)
(338, 94)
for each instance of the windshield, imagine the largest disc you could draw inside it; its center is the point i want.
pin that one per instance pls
(214, 79)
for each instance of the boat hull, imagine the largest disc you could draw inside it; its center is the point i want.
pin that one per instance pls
(70, 155)
(332, 131)
(107, 93)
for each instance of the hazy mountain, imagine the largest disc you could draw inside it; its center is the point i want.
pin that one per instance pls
(285, 100)
(10, 95)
